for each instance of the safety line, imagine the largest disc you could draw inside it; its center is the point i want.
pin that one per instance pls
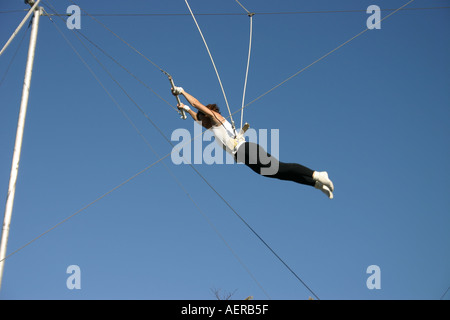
(248, 63)
(214, 65)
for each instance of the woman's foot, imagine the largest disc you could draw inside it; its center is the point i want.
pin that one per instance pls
(322, 177)
(325, 189)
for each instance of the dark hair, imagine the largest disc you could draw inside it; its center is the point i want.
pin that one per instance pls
(213, 107)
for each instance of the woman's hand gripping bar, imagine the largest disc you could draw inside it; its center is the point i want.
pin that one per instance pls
(180, 111)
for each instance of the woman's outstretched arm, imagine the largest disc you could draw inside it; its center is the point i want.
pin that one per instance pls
(191, 112)
(194, 102)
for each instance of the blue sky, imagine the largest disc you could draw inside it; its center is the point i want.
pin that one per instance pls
(374, 114)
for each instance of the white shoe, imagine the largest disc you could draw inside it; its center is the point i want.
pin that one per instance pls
(322, 177)
(325, 189)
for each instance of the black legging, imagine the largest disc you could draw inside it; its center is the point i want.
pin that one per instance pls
(256, 158)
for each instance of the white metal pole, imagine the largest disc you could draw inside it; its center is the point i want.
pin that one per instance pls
(19, 138)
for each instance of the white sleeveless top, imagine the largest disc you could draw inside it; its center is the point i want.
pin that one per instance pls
(224, 136)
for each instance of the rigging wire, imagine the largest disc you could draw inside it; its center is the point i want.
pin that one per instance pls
(127, 70)
(248, 62)
(115, 61)
(15, 54)
(131, 14)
